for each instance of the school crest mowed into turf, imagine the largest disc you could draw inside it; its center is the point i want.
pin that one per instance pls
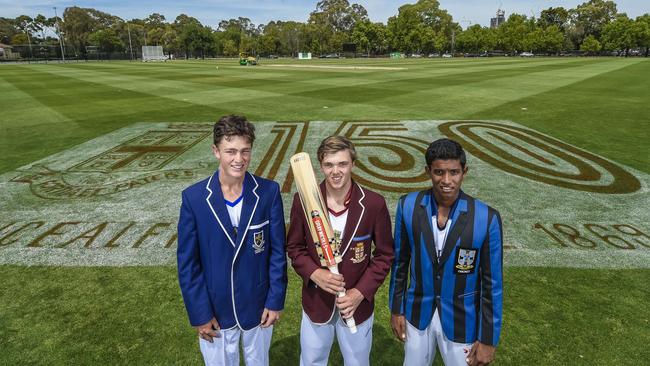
(114, 200)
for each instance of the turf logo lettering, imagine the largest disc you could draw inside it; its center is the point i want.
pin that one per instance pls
(132, 164)
(541, 158)
(390, 156)
(277, 155)
(114, 200)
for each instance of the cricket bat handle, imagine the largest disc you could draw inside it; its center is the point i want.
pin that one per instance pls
(350, 321)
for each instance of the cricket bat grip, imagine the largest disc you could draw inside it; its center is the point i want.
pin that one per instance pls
(350, 321)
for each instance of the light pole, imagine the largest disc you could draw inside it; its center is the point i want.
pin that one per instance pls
(29, 41)
(58, 29)
(128, 29)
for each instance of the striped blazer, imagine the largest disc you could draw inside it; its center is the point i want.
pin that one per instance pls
(465, 284)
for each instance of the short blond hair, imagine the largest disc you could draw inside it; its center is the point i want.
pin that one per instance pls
(334, 144)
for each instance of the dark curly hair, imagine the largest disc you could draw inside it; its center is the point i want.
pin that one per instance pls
(228, 126)
(445, 149)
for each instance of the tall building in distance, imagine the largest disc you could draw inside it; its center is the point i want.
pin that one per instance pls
(500, 19)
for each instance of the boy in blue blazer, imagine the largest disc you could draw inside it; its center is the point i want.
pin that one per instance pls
(446, 286)
(232, 267)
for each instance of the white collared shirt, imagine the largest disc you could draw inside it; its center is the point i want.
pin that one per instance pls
(234, 210)
(440, 235)
(338, 222)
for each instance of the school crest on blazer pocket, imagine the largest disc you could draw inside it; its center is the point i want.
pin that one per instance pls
(359, 253)
(258, 242)
(465, 261)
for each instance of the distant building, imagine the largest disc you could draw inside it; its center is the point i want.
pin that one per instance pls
(6, 52)
(500, 19)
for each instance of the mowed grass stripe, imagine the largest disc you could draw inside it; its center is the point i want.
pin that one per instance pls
(605, 114)
(422, 94)
(454, 100)
(434, 97)
(364, 99)
(225, 78)
(199, 89)
(255, 79)
(238, 78)
(26, 111)
(412, 84)
(92, 109)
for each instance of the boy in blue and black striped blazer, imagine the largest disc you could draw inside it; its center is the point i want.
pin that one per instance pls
(446, 284)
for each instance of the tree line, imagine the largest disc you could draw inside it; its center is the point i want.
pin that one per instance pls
(593, 27)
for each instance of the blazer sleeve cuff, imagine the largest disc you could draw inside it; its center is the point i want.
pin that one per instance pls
(307, 270)
(368, 292)
(200, 319)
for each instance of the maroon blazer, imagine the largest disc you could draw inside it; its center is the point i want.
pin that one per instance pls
(362, 267)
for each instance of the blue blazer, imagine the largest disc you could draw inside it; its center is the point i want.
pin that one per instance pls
(465, 284)
(230, 275)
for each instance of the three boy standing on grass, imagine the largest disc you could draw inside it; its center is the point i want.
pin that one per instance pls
(446, 256)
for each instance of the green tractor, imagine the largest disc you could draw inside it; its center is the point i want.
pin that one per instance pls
(247, 60)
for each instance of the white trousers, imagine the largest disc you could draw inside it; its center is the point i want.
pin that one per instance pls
(420, 346)
(316, 341)
(224, 351)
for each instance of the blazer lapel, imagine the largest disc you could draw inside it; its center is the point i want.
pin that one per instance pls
(355, 215)
(249, 205)
(424, 217)
(217, 206)
(459, 220)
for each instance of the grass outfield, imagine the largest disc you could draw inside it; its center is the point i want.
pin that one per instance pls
(135, 315)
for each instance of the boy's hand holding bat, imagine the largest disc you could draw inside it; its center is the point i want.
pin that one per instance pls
(320, 229)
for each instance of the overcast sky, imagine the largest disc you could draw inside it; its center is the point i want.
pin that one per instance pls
(210, 12)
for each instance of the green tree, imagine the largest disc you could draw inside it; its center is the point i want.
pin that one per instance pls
(559, 17)
(513, 34)
(155, 26)
(590, 45)
(642, 24)
(186, 28)
(421, 27)
(619, 35)
(138, 34)
(549, 40)
(155, 36)
(230, 48)
(589, 18)
(269, 41)
(477, 39)
(19, 38)
(26, 25)
(40, 25)
(241, 31)
(7, 30)
(370, 37)
(553, 39)
(155, 20)
(319, 32)
(339, 15)
(106, 40)
(267, 45)
(79, 23)
(291, 37)
(169, 40)
(197, 40)
(331, 25)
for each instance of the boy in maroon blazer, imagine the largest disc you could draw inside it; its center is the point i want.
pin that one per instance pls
(362, 218)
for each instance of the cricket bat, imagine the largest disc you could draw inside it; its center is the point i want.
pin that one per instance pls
(313, 205)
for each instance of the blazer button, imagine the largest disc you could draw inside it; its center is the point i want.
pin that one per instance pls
(437, 297)
(437, 277)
